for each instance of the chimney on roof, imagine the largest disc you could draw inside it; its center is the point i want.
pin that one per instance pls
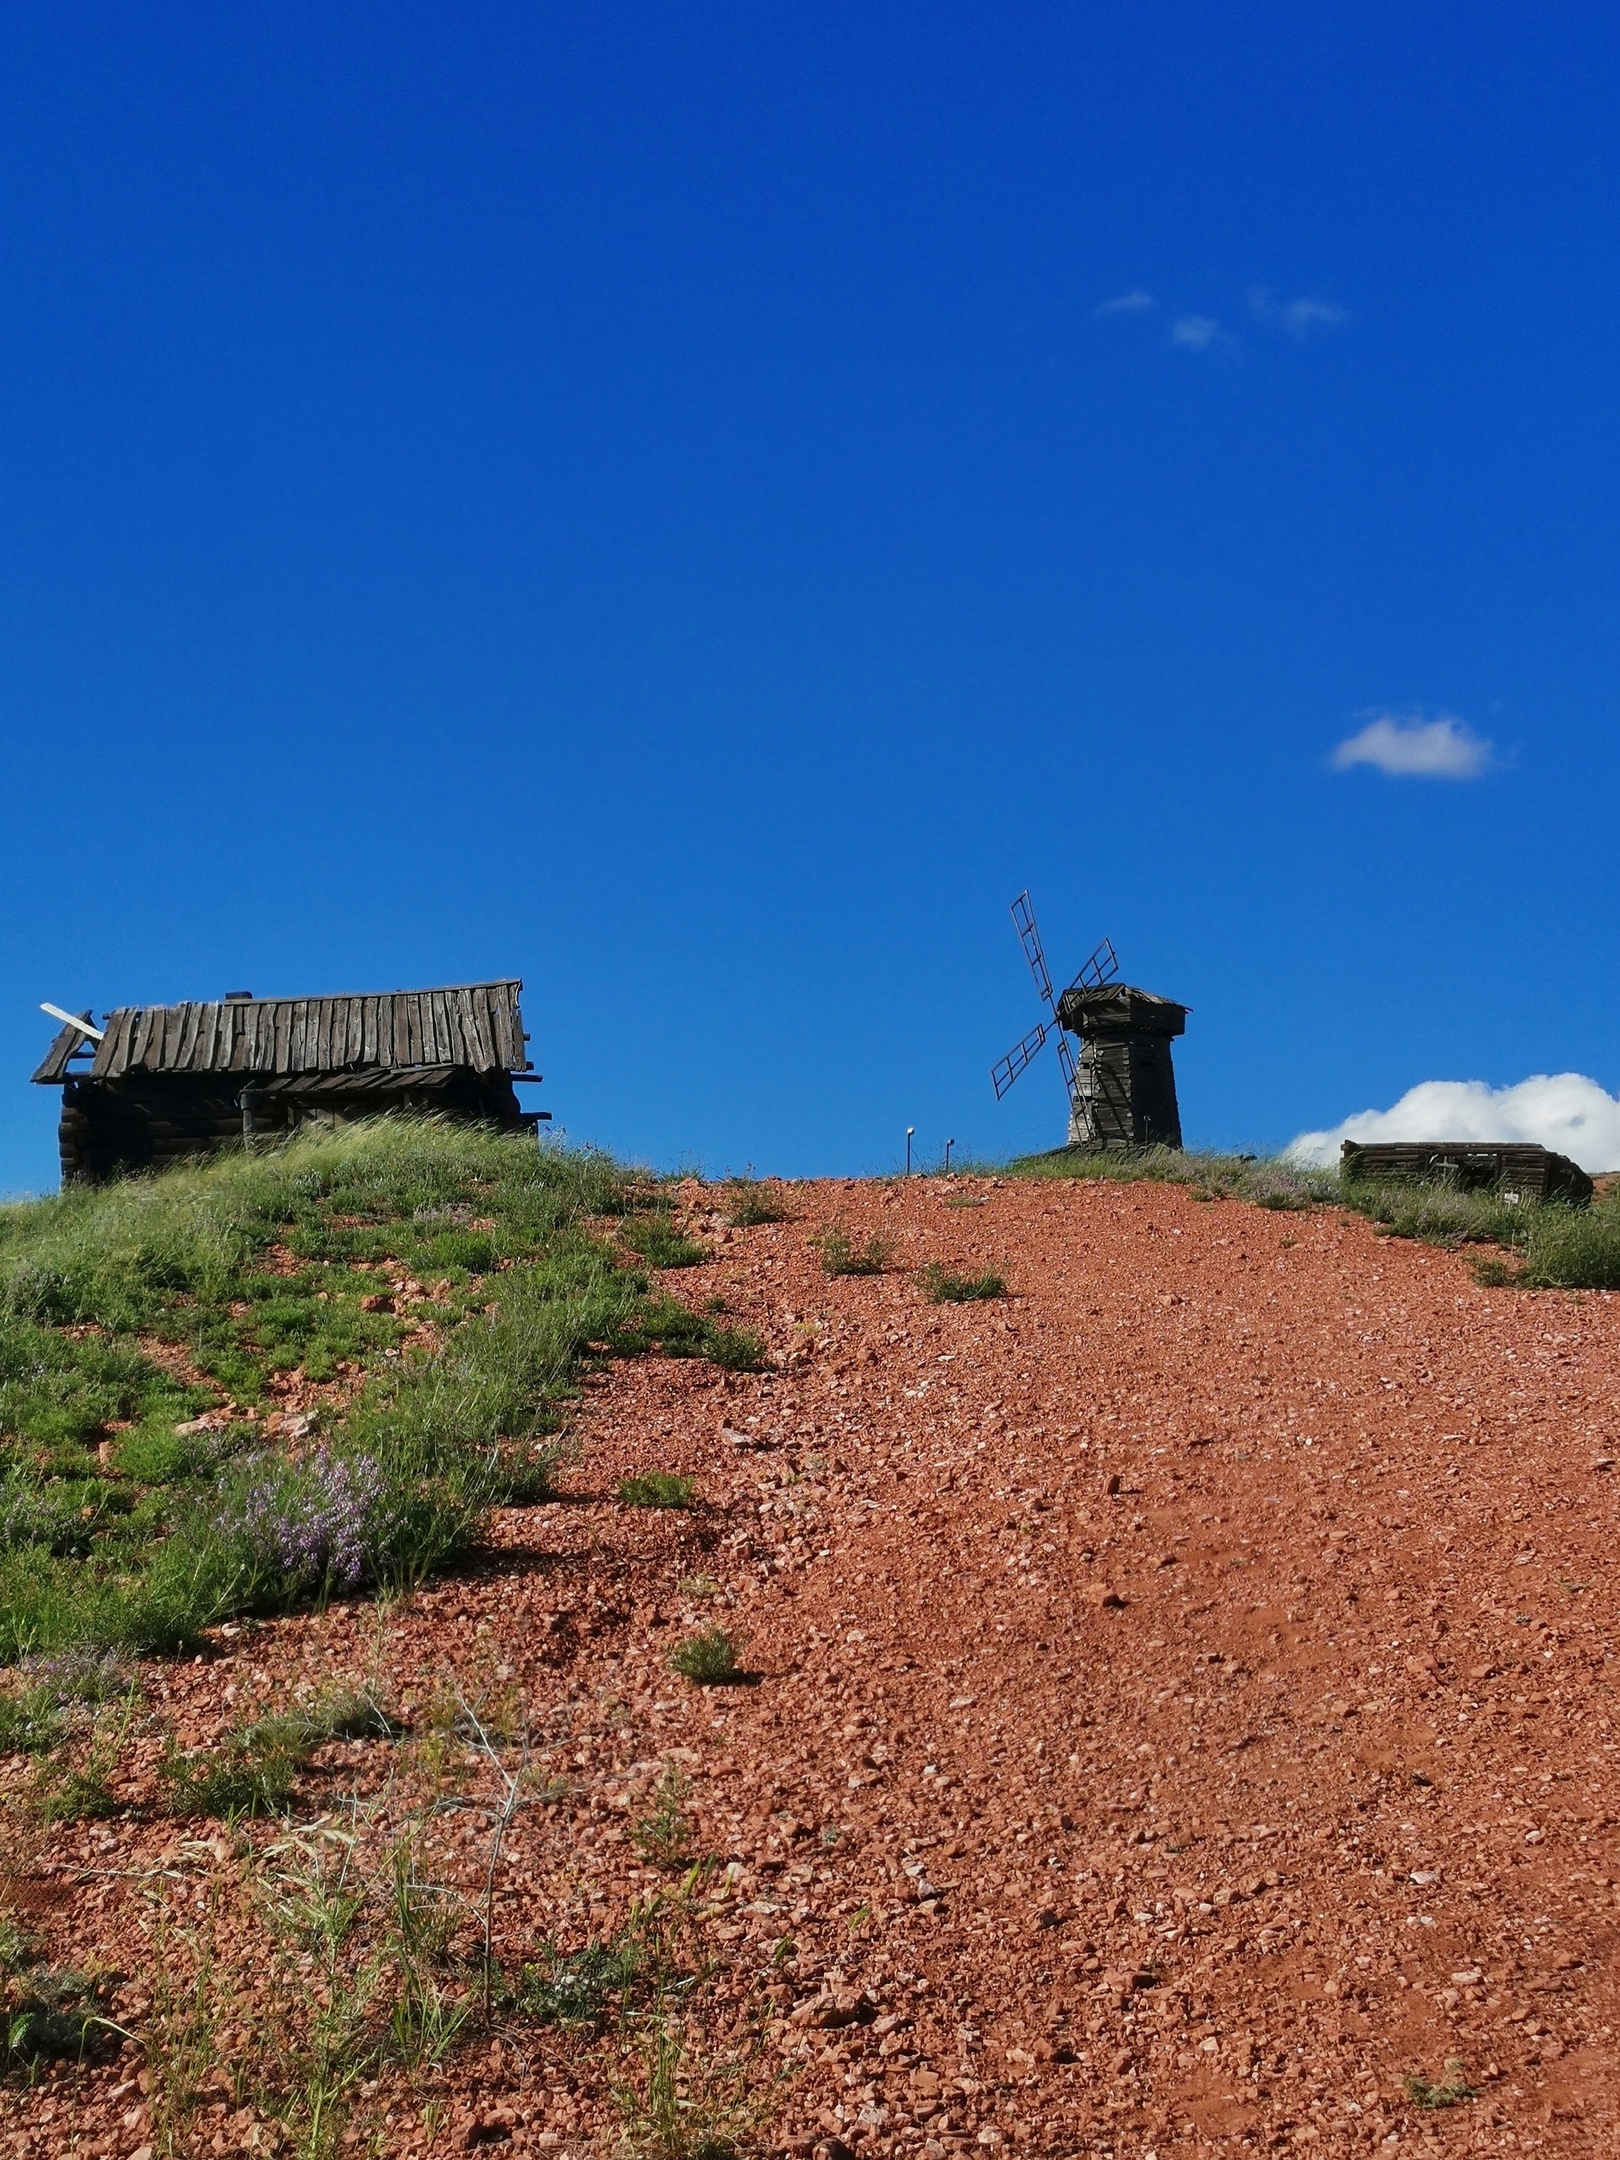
(239, 997)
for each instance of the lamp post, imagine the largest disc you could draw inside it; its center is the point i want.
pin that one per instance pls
(910, 1129)
(948, 1146)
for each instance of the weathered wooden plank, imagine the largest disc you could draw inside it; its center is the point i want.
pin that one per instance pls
(480, 1025)
(368, 1050)
(53, 1065)
(112, 1057)
(463, 1050)
(444, 1051)
(486, 1002)
(190, 1028)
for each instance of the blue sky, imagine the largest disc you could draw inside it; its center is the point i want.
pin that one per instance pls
(658, 501)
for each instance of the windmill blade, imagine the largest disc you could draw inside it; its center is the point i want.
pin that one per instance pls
(1071, 1079)
(1029, 937)
(1101, 969)
(1007, 1069)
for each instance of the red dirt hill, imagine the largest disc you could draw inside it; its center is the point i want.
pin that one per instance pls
(1182, 1689)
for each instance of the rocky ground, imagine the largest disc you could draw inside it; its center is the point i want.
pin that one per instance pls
(1178, 1704)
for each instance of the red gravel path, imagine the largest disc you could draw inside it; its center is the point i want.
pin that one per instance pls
(1183, 1704)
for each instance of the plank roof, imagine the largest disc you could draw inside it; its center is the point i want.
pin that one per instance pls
(475, 1026)
(1106, 1006)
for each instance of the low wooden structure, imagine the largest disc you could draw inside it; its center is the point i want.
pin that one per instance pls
(1516, 1172)
(164, 1082)
(1125, 1085)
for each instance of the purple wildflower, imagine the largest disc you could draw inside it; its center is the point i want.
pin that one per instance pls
(318, 1525)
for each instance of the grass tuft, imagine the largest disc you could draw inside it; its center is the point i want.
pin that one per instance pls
(841, 1256)
(749, 1203)
(656, 1239)
(708, 1659)
(1446, 2091)
(663, 1837)
(658, 1489)
(944, 1286)
(46, 2014)
(590, 1987)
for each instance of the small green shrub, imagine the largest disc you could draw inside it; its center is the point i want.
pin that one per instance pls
(707, 1660)
(749, 1203)
(79, 1788)
(46, 2014)
(945, 1287)
(1444, 2092)
(581, 1987)
(841, 1256)
(658, 1489)
(30, 1722)
(525, 1475)
(735, 1349)
(663, 1837)
(251, 1772)
(349, 1714)
(1573, 1248)
(656, 1239)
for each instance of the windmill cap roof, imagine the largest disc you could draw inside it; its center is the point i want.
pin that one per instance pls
(1121, 1005)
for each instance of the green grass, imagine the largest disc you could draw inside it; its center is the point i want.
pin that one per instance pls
(655, 1238)
(840, 1255)
(1551, 1247)
(944, 1286)
(1266, 1181)
(663, 1323)
(137, 1507)
(252, 1770)
(46, 2013)
(1443, 2092)
(658, 1489)
(581, 1987)
(707, 1660)
(663, 1836)
(749, 1203)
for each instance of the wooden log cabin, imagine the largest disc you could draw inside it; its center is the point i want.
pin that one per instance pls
(1521, 1170)
(155, 1084)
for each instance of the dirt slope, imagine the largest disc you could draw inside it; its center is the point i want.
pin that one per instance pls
(1183, 1699)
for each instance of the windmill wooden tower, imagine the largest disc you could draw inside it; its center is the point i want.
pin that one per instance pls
(1122, 1093)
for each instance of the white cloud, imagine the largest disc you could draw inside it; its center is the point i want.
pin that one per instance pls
(1131, 303)
(1298, 317)
(1196, 333)
(1416, 749)
(1566, 1111)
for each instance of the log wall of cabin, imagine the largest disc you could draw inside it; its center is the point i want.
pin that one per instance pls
(110, 1128)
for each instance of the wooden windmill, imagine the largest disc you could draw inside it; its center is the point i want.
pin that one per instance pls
(1122, 1092)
